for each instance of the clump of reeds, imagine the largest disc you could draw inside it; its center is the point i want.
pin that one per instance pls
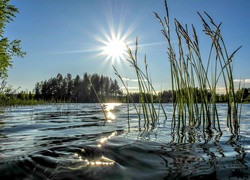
(189, 71)
(146, 89)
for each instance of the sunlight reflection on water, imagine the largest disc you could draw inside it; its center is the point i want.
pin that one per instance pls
(110, 116)
(102, 161)
(108, 107)
(105, 139)
(96, 161)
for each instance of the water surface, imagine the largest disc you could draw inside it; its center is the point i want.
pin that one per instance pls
(74, 141)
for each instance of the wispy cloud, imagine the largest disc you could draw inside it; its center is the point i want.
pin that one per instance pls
(131, 88)
(242, 80)
(221, 90)
(132, 80)
(153, 44)
(125, 79)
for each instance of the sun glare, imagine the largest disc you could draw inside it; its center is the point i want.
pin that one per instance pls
(114, 48)
(111, 39)
(113, 43)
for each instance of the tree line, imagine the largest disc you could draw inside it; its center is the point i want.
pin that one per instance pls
(86, 89)
(242, 95)
(167, 96)
(89, 88)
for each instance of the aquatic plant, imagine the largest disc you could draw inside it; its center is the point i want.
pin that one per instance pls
(188, 71)
(193, 90)
(103, 110)
(146, 89)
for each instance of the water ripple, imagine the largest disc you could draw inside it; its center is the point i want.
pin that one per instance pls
(74, 141)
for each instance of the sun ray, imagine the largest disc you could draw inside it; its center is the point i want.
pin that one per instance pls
(111, 39)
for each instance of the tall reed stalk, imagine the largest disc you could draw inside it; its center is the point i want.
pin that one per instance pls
(188, 71)
(146, 89)
(96, 94)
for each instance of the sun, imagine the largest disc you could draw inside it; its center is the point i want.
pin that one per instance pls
(114, 47)
(111, 42)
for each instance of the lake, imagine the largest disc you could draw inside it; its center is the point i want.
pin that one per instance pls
(74, 141)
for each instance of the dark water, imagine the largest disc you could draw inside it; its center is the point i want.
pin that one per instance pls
(74, 141)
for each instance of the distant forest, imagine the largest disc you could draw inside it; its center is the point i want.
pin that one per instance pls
(79, 90)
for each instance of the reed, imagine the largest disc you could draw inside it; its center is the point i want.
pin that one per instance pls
(188, 70)
(146, 89)
(103, 110)
(194, 79)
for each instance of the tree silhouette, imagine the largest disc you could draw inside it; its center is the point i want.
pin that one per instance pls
(68, 89)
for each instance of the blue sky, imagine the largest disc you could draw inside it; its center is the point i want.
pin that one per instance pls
(62, 36)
